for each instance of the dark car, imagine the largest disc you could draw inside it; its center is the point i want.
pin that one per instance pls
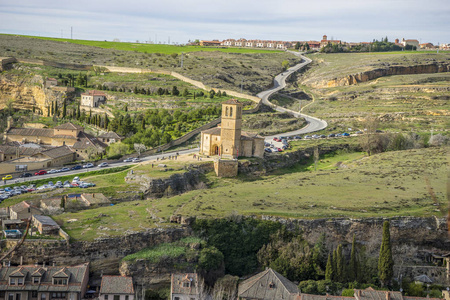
(331, 135)
(297, 137)
(78, 167)
(25, 175)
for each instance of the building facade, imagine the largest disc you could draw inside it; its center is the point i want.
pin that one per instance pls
(93, 98)
(43, 282)
(228, 140)
(116, 288)
(185, 287)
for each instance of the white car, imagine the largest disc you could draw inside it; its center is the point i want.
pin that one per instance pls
(103, 164)
(88, 165)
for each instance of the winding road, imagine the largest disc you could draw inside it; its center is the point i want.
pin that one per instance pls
(279, 83)
(313, 124)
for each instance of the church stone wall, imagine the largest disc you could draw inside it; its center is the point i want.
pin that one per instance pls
(226, 168)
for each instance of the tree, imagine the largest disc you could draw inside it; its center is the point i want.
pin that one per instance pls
(340, 264)
(175, 91)
(116, 149)
(64, 109)
(370, 141)
(353, 267)
(297, 46)
(329, 269)
(285, 64)
(139, 148)
(185, 93)
(210, 258)
(385, 261)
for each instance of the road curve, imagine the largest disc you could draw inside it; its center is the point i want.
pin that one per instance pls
(279, 83)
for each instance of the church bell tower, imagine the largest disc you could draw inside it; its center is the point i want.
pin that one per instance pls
(231, 128)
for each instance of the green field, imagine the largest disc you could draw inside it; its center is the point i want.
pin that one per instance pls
(152, 48)
(344, 185)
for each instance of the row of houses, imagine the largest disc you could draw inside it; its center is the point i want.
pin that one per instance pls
(59, 282)
(40, 148)
(283, 45)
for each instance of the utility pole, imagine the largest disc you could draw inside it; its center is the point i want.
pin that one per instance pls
(71, 32)
(181, 59)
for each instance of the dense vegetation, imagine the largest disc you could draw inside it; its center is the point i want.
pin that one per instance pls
(376, 46)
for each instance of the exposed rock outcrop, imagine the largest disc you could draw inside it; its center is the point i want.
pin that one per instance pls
(380, 72)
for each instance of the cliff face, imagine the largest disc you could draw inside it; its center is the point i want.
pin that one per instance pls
(28, 93)
(380, 72)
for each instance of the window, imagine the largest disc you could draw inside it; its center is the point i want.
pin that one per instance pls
(34, 294)
(11, 297)
(186, 284)
(226, 111)
(20, 281)
(18, 296)
(106, 297)
(36, 280)
(177, 298)
(12, 281)
(43, 296)
(231, 111)
(116, 297)
(126, 297)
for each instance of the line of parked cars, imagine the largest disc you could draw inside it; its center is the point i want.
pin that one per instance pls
(18, 190)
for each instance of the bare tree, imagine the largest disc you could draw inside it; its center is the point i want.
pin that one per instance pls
(139, 148)
(370, 141)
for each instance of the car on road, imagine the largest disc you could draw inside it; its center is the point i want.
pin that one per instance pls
(77, 167)
(345, 134)
(103, 164)
(65, 169)
(268, 150)
(127, 159)
(7, 177)
(297, 137)
(280, 150)
(307, 137)
(52, 171)
(88, 165)
(25, 175)
(322, 136)
(136, 159)
(331, 135)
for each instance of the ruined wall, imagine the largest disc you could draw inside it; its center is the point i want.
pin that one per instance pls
(226, 168)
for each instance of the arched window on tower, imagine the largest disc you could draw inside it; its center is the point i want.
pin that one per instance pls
(231, 111)
(226, 111)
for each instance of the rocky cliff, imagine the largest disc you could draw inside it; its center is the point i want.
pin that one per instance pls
(380, 72)
(28, 92)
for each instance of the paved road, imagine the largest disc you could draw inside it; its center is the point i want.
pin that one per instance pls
(314, 124)
(279, 83)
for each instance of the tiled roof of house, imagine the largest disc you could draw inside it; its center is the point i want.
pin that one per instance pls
(93, 93)
(323, 297)
(268, 285)
(20, 206)
(45, 220)
(75, 274)
(117, 285)
(213, 131)
(177, 281)
(57, 152)
(69, 126)
(35, 132)
(110, 135)
(95, 198)
(371, 294)
(86, 140)
(23, 151)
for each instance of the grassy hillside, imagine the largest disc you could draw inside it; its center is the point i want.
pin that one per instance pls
(251, 70)
(345, 185)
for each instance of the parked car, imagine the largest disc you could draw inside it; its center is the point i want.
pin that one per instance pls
(136, 159)
(25, 175)
(307, 137)
(127, 159)
(88, 165)
(322, 136)
(7, 177)
(103, 164)
(268, 150)
(275, 139)
(297, 137)
(65, 169)
(359, 132)
(345, 134)
(280, 150)
(331, 135)
(41, 172)
(77, 167)
(76, 179)
(52, 171)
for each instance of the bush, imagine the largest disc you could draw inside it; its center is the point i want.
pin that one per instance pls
(117, 156)
(210, 259)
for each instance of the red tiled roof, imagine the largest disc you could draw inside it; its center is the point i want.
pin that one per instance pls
(69, 126)
(117, 285)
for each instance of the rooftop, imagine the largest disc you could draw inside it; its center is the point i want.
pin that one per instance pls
(117, 285)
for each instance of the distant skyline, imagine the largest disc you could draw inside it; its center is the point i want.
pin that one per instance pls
(183, 20)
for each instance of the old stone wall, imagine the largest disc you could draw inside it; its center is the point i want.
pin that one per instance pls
(226, 168)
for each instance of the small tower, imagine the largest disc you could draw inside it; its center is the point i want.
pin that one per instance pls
(324, 38)
(231, 128)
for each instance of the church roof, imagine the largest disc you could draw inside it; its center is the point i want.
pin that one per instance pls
(213, 131)
(250, 136)
(231, 101)
(69, 126)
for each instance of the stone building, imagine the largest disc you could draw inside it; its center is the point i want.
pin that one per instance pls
(23, 211)
(229, 140)
(93, 98)
(110, 137)
(45, 225)
(116, 288)
(185, 287)
(43, 282)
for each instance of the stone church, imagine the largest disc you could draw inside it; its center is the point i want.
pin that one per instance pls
(228, 140)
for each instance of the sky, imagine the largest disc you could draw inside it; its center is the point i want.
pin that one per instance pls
(179, 21)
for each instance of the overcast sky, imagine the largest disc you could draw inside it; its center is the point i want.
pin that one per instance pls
(183, 20)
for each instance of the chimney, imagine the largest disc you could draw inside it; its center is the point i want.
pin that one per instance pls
(4, 263)
(9, 123)
(21, 260)
(43, 264)
(36, 264)
(54, 264)
(388, 296)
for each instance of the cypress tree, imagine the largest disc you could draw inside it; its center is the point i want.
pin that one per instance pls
(329, 269)
(385, 261)
(335, 277)
(353, 268)
(340, 272)
(56, 108)
(64, 109)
